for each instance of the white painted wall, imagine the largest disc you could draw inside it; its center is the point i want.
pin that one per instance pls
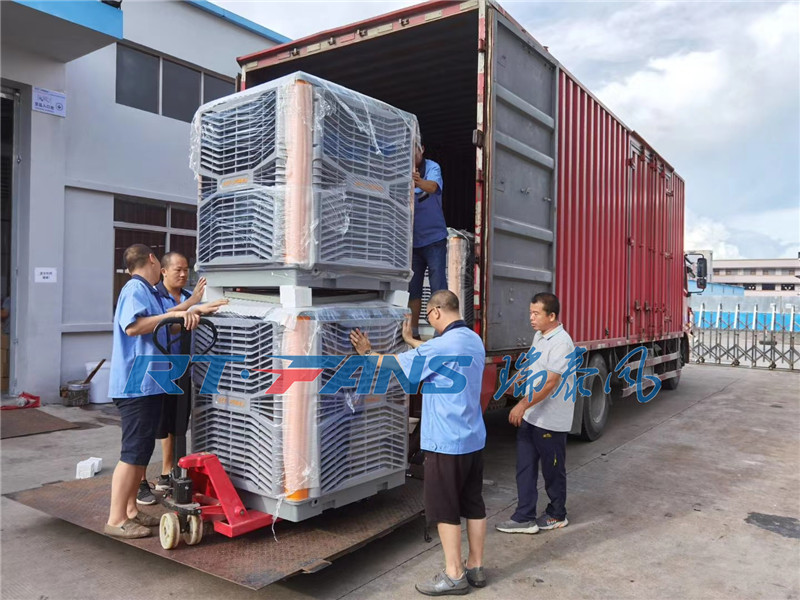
(38, 222)
(74, 166)
(189, 33)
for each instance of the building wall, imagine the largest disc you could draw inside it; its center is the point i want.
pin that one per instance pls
(38, 224)
(120, 149)
(188, 33)
(64, 215)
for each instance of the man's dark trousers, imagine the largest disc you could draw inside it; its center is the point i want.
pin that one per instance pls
(550, 447)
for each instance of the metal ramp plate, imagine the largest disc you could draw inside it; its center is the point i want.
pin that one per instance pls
(254, 560)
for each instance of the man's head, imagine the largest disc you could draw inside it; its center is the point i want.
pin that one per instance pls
(419, 152)
(442, 310)
(175, 269)
(544, 312)
(140, 260)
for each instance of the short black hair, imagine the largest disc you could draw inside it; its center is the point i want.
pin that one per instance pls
(444, 299)
(548, 301)
(136, 256)
(167, 259)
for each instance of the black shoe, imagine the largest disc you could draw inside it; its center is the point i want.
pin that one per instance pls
(162, 483)
(145, 495)
(475, 577)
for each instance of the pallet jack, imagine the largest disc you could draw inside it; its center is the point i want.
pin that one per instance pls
(200, 490)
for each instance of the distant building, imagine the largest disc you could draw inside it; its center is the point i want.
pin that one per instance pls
(760, 276)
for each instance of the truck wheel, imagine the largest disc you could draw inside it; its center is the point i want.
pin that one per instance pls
(597, 405)
(672, 382)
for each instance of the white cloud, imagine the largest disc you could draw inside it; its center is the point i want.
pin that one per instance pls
(781, 226)
(702, 233)
(711, 96)
(674, 88)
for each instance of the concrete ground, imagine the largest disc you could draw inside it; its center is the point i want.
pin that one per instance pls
(694, 495)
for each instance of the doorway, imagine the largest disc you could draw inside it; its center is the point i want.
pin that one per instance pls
(9, 120)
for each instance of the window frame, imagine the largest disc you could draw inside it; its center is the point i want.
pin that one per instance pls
(167, 230)
(161, 58)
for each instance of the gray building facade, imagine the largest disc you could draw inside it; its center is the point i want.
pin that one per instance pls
(105, 168)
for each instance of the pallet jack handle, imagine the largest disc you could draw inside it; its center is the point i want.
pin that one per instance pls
(183, 336)
(184, 400)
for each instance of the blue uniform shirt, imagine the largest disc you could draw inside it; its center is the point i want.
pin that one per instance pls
(168, 301)
(137, 299)
(451, 423)
(429, 225)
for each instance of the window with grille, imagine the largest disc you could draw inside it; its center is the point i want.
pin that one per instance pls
(163, 227)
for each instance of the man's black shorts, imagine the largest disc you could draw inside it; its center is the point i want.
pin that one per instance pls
(168, 423)
(140, 417)
(453, 487)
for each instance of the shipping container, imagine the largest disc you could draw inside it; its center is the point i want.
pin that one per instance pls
(561, 195)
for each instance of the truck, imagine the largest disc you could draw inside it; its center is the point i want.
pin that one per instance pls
(560, 194)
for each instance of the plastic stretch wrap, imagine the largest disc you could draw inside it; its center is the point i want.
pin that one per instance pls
(460, 270)
(301, 173)
(300, 445)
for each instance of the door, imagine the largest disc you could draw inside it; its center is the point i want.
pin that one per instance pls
(519, 222)
(9, 100)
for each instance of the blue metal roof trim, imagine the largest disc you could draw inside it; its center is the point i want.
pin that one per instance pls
(91, 14)
(239, 21)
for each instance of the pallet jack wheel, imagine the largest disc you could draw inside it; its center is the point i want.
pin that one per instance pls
(169, 531)
(194, 530)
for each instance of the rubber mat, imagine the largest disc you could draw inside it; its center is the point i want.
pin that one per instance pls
(254, 560)
(30, 421)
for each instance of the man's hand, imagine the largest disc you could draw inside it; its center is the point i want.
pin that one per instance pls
(199, 290)
(516, 414)
(210, 307)
(408, 335)
(360, 341)
(190, 319)
(416, 177)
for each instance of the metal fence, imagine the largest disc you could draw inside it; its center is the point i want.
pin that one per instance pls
(757, 332)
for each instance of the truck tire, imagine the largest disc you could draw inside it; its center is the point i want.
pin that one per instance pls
(672, 382)
(596, 406)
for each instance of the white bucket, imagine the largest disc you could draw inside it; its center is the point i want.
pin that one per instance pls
(98, 393)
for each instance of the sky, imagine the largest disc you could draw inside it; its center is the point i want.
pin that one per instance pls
(714, 87)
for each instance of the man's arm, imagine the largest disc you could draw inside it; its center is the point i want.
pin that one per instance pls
(516, 414)
(434, 183)
(145, 325)
(195, 298)
(431, 187)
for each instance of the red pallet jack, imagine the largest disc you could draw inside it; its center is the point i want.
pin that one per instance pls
(200, 490)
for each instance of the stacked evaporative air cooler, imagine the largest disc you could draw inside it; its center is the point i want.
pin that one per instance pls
(305, 191)
(304, 182)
